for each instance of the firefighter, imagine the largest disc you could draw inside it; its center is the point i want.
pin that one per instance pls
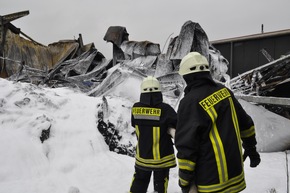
(212, 130)
(153, 120)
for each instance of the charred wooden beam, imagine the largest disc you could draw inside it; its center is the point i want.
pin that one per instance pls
(265, 100)
(13, 16)
(267, 55)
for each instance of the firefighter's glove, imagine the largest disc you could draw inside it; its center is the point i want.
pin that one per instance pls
(185, 180)
(253, 155)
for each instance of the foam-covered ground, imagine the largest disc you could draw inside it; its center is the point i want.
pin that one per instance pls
(76, 158)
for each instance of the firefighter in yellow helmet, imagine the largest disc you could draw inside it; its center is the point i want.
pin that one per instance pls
(212, 130)
(153, 120)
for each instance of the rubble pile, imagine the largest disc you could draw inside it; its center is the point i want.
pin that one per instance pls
(266, 85)
(64, 63)
(70, 63)
(144, 58)
(111, 133)
(263, 81)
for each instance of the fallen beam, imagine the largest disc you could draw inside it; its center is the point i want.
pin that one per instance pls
(265, 100)
(13, 16)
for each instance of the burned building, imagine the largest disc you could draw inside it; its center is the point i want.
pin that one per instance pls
(66, 62)
(256, 59)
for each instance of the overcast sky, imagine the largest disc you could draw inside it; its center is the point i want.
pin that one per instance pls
(152, 20)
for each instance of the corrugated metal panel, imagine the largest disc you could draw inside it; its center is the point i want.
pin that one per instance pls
(19, 50)
(62, 50)
(281, 46)
(238, 59)
(191, 34)
(22, 50)
(142, 48)
(251, 56)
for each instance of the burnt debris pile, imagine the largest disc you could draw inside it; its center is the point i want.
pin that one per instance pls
(71, 63)
(267, 85)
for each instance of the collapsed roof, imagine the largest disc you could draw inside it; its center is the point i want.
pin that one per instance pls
(70, 63)
(73, 64)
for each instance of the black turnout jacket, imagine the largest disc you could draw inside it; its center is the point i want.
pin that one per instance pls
(151, 119)
(211, 124)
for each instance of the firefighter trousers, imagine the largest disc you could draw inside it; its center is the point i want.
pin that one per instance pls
(141, 180)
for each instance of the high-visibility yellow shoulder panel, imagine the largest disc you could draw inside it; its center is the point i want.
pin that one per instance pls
(214, 98)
